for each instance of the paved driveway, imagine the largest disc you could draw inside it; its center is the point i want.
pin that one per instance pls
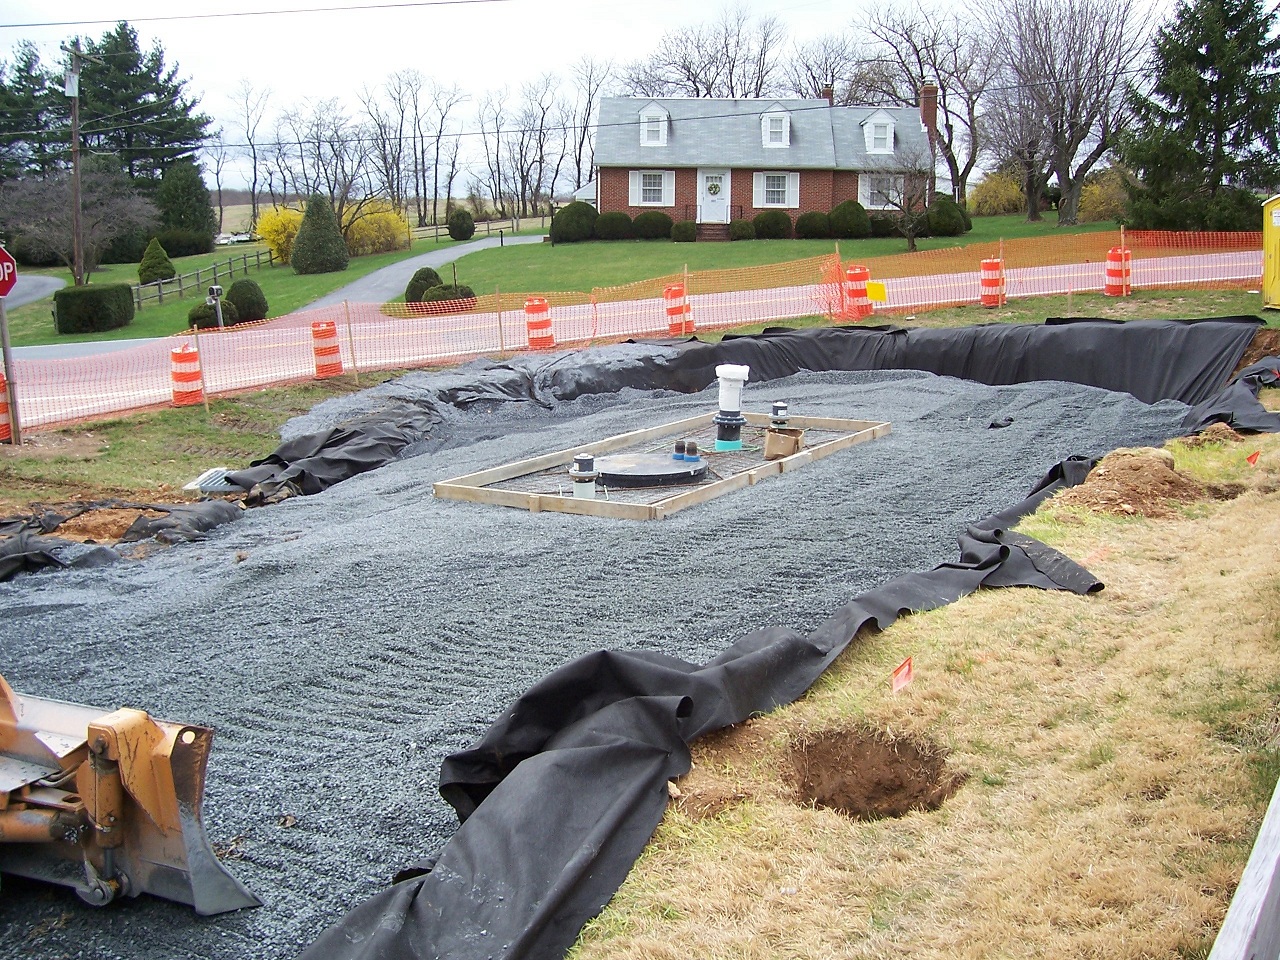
(389, 282)
(29, 289)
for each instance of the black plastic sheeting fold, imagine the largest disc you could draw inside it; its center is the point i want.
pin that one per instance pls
(1185, 360)
(27, 548)
(563, 792)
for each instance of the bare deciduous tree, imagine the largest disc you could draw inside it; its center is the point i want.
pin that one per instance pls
(320, 149)
(1016, 136)
(946, 49)
(901, 192)
(251, 108)
(730, 57)
(389, 119)
(1070, 58)
(40, 211)
(219, 153)
(589, 78)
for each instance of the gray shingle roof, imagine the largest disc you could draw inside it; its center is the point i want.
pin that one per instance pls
(706, 132)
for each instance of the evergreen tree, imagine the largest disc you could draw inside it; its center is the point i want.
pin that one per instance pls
(1211, 122)
(319, 247)
(133, 105)
(29, 116)
(155, 264)
(184, 200)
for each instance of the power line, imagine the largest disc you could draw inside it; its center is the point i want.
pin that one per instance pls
(253, 13)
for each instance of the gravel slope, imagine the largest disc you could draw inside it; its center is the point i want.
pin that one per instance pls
(342, 644)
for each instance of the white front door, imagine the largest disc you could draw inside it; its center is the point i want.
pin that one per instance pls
(713, 196)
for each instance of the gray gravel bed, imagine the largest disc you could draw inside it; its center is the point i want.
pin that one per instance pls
(342, 644)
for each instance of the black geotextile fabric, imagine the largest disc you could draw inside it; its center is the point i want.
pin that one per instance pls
(565, 789)
(1185, 360)
(25, 548)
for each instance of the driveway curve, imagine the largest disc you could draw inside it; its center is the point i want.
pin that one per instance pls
(389, 282)
(29, 289)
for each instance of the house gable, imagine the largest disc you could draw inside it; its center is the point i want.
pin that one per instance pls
(655, 125)
(775, 127)
(879, 133)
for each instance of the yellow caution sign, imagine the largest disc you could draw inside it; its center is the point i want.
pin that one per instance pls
(877, 293)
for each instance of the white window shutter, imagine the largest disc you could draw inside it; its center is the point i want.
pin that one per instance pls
(764, 130)
(786, 131)
(668, 188)
(633, 188)
(793, 189)
(757, 189)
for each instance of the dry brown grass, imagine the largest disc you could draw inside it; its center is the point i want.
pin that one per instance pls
(1120, 751)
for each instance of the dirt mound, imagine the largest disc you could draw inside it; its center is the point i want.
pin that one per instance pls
(102, 525)
(1215, 433)
(1140, 482)
(868, 774)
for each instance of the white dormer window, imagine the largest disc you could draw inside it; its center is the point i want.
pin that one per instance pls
(878, 131)
(654, 122)
(775, 130)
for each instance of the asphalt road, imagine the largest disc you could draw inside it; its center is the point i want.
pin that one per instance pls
(29, 289)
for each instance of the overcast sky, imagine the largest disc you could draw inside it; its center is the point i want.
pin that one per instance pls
(332, 48)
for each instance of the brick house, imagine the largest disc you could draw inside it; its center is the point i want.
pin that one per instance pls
(713, 161)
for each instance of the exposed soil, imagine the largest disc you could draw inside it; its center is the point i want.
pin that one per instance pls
(1141, 483)
(869, 774)
(1215, 433)
(102, 524)
(1266, 343)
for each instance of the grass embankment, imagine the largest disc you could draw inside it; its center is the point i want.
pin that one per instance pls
(1118, 752)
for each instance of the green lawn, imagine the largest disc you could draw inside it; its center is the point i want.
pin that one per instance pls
(517, 269)
(583, 266)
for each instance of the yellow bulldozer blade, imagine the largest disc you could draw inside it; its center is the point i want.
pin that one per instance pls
(108, 804)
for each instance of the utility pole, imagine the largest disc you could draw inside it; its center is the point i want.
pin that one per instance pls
(73, 92)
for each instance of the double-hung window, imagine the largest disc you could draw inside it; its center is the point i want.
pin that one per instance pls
(651, 188)
(775, 189)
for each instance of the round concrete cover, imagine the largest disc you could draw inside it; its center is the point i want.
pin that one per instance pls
(648, 470)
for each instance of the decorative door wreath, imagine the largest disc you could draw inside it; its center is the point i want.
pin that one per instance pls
(713, 188)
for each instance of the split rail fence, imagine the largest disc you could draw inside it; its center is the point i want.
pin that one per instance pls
(184, 283)
(353, 338)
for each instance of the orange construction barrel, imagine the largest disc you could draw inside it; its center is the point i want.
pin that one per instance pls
(1118, 280)
(857, 305)
(679, 314)
(537, 318)
(188, 382)
(324, 344)
(992, 283)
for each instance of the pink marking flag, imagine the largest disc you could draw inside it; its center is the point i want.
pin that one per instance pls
(902, 675)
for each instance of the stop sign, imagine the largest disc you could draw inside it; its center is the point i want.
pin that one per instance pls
(8, 272)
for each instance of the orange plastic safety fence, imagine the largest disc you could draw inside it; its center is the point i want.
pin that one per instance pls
(374, 336)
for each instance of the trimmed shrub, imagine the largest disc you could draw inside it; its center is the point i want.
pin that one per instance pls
(155, 264)
(573, 223)
(944, 218)
(996, 193)
(443, 299)
(813, 225)
(278, 227)
(422, 279)
(185, 243)
(772, 225)
(461, 225)
(204, 317)
(652, 225)
(883, 226)
(248, 299)
(614, 225)
(849, 221)
(93, 308)
(742, 230)
(319, 247)
(375, 228)
(684, 231)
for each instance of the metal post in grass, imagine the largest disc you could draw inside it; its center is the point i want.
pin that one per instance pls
(351, 342)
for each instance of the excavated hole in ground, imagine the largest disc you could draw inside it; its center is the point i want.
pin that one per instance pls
(870, 774)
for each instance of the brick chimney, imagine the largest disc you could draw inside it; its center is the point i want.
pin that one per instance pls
(829, 92)
(929, 108)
